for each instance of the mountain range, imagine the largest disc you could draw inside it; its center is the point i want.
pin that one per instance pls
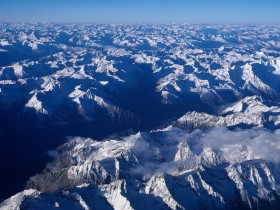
(177, 116)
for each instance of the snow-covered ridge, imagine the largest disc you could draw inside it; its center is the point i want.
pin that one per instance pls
(168, 168)
(250, 112)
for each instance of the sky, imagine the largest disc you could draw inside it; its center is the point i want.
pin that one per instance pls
(138, 11)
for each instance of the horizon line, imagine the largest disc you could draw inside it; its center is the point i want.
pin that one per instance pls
(140, 23)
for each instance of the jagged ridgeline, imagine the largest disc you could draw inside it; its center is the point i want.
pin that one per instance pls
(163, 169)
(95, 81)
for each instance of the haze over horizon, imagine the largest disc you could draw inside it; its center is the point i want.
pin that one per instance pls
(132, 11)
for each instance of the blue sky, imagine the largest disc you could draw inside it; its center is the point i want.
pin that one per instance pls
(115, 11)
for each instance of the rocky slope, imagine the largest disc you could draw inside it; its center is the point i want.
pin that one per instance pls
(164, 169)
(248, 112)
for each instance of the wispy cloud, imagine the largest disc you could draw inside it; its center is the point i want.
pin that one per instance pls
(158, 151)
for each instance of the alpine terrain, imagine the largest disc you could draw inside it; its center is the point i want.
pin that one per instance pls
(139, 116)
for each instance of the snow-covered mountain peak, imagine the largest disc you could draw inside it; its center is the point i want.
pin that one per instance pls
(161, 167)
